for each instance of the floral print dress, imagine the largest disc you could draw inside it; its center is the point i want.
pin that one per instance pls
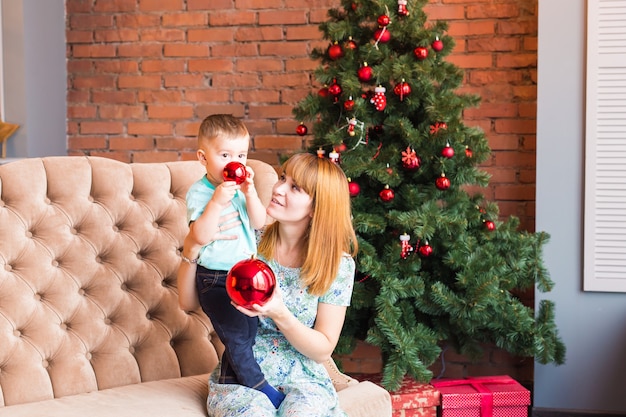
(306, 384)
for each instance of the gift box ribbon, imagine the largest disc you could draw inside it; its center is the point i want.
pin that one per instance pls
(478, 383)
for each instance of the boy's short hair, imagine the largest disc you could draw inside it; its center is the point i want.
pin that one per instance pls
(222, 125)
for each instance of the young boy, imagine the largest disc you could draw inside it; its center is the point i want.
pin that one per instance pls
(222, 139)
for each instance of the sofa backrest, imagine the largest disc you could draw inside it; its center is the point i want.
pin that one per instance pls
(89, 249)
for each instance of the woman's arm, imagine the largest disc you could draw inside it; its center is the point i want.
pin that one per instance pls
(319, 342)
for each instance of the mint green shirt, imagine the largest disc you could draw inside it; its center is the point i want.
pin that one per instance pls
(222, 254)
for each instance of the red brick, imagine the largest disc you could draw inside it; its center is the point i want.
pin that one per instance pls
(131, 143)
(287, 17)
(185, 19)
(160, 5)
(121, 112)
(149, 128)
(169, 112)
(162, 35)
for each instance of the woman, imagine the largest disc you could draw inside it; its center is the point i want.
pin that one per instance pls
(310, 248)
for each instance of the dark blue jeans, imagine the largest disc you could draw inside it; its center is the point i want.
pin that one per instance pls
(236, 330)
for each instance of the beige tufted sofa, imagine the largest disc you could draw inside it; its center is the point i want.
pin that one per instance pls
(89, 318)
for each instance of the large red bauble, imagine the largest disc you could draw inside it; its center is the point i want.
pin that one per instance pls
(365, 73)
(437, 45)
(490, 225)
(335, 89)
(443, 183)
(386, 194)
(301, 129)
(335, 51)
(235, 171)
(402, 90)
(421, 53)
(383, 20)
(447, 152)
(382, 35)
(426, 250)
(354, 188)
(249, 282)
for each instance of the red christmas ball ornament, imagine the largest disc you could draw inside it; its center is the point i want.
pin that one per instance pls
(410, 160)
(402, 89)
(490, 225)
(235, 171)
(386, 194)
(443, 182)
(421, 53)
(365, 73)
(383, 20)
(335, 51)
(301, 129)
(250, 281)
(426, 250)
(402, 9)
(447, 151)
(341, 147)
(323, 92)
(353, 188)
(351, 44)
(335, 89)
(437, 45)
(468, 152)
(382, 35)
(348, 105)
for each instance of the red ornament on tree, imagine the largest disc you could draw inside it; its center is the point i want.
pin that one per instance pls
(351, 125)
(249, 282)
(365, 73)
(382, 35)
(348, 105)
(490, 225)
(402, 89)
(383, 20)
(235, 171)
(402, 10)
(353, 188)
(447, 151)
(421, 53)
(386, 194)
(443, 183)
(335, 89)
(341, 147)
(335, 51)
(468, 152)
(426, 250)
(301, 129)
(410, 160)
(405, 246)
(351, 44)
(379, 100)
(323, 92)
(437, 45)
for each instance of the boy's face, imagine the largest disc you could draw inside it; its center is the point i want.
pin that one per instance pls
(214, 154)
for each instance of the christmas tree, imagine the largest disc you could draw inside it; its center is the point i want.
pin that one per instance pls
(436, 264)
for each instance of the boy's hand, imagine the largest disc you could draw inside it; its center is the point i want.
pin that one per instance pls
(225, 192)
(248, 185)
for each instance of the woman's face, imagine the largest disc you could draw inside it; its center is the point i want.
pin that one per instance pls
(289, 203)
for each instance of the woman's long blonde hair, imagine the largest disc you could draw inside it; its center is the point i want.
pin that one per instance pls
(330, 234)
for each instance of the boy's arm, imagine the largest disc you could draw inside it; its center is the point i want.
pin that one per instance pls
(256, 209)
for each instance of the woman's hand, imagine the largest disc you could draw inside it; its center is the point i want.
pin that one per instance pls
(273, 308)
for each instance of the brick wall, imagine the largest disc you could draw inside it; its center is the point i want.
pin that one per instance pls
(142, 74)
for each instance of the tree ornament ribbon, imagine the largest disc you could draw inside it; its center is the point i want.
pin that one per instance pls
(479, 384)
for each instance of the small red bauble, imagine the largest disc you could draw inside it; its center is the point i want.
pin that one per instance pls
(351, 44)
(235, 171)
(447, 151)
(335, 89)
(382, 35)
(421, 53)
(443, 183)
(426, 250)
(365, 73)
(387, 194)
(335, 51)
(301, 129)
(323, 92)
(341, 147)
(348, 105)
(383, 20)
(468, 152)
(437, 45)
(249, 282)
(490, 225)
(402, 90)
(354, 188)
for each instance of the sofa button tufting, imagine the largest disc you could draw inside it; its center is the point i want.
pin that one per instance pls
(37, 296)
(124, 287)
(47, 201)
(29, 234)
(45, 363)
(81, 291)
(107, 321)
(155, 225)
(148, 316)
(116, 229)
(8, 268)
(131, 349)
(73, 231)
(63, 326)
(91, 199)
(55, 263)
(171, 195)
(17, 333)
(98, 259)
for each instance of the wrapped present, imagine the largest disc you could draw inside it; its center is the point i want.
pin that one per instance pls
(490, 396)
(413, 399)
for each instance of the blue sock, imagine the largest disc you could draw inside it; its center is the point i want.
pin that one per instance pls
(275, 396)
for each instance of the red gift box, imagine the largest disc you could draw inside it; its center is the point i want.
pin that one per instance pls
(413, 399)
(489, 396)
